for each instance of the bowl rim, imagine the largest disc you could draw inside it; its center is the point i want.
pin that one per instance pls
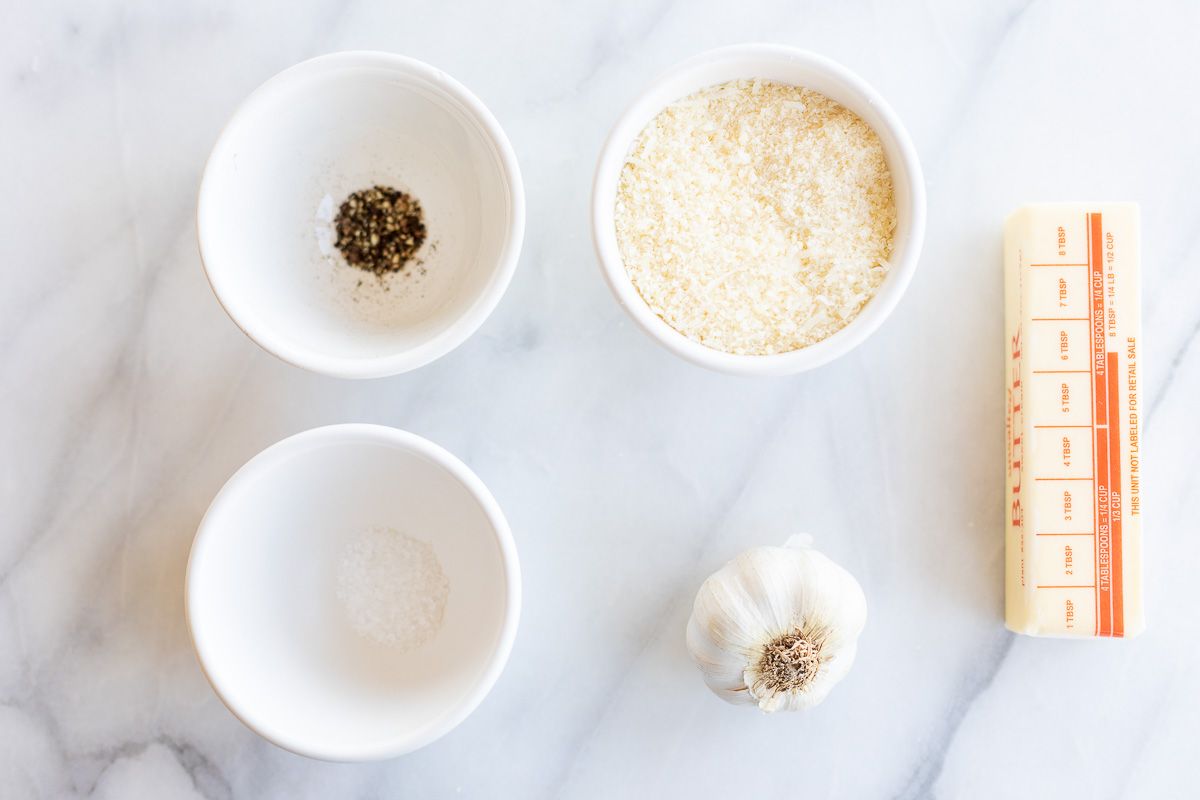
(403, 440)
(612, 158)
(460, 329)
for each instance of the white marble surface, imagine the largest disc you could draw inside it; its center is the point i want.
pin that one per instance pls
(127, 398)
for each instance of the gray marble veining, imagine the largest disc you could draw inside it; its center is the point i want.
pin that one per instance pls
(127, 398)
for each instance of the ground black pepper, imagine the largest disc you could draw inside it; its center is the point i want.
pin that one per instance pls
(380, 229)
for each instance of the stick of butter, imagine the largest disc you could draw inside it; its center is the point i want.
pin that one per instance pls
(1073, 378)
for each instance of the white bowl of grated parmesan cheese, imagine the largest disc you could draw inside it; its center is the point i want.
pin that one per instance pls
(758, 210)
(353, 592)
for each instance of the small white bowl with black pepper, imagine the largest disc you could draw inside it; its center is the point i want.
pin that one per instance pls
(353, 592)
(758, 210)
(361, 214)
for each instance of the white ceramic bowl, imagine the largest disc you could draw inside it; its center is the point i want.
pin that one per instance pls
(272, 635)
(295, 149)
(786, 65)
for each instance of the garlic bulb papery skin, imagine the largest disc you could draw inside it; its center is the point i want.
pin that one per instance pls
(777, 627)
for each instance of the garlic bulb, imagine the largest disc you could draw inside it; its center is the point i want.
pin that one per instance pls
(777, 626)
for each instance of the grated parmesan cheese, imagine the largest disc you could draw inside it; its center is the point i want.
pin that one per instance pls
(756, 217)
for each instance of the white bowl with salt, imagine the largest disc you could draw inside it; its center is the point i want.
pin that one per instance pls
(296, 150)
(353, 592)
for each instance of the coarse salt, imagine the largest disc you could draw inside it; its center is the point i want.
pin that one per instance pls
(756, 217)
(392, 588)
